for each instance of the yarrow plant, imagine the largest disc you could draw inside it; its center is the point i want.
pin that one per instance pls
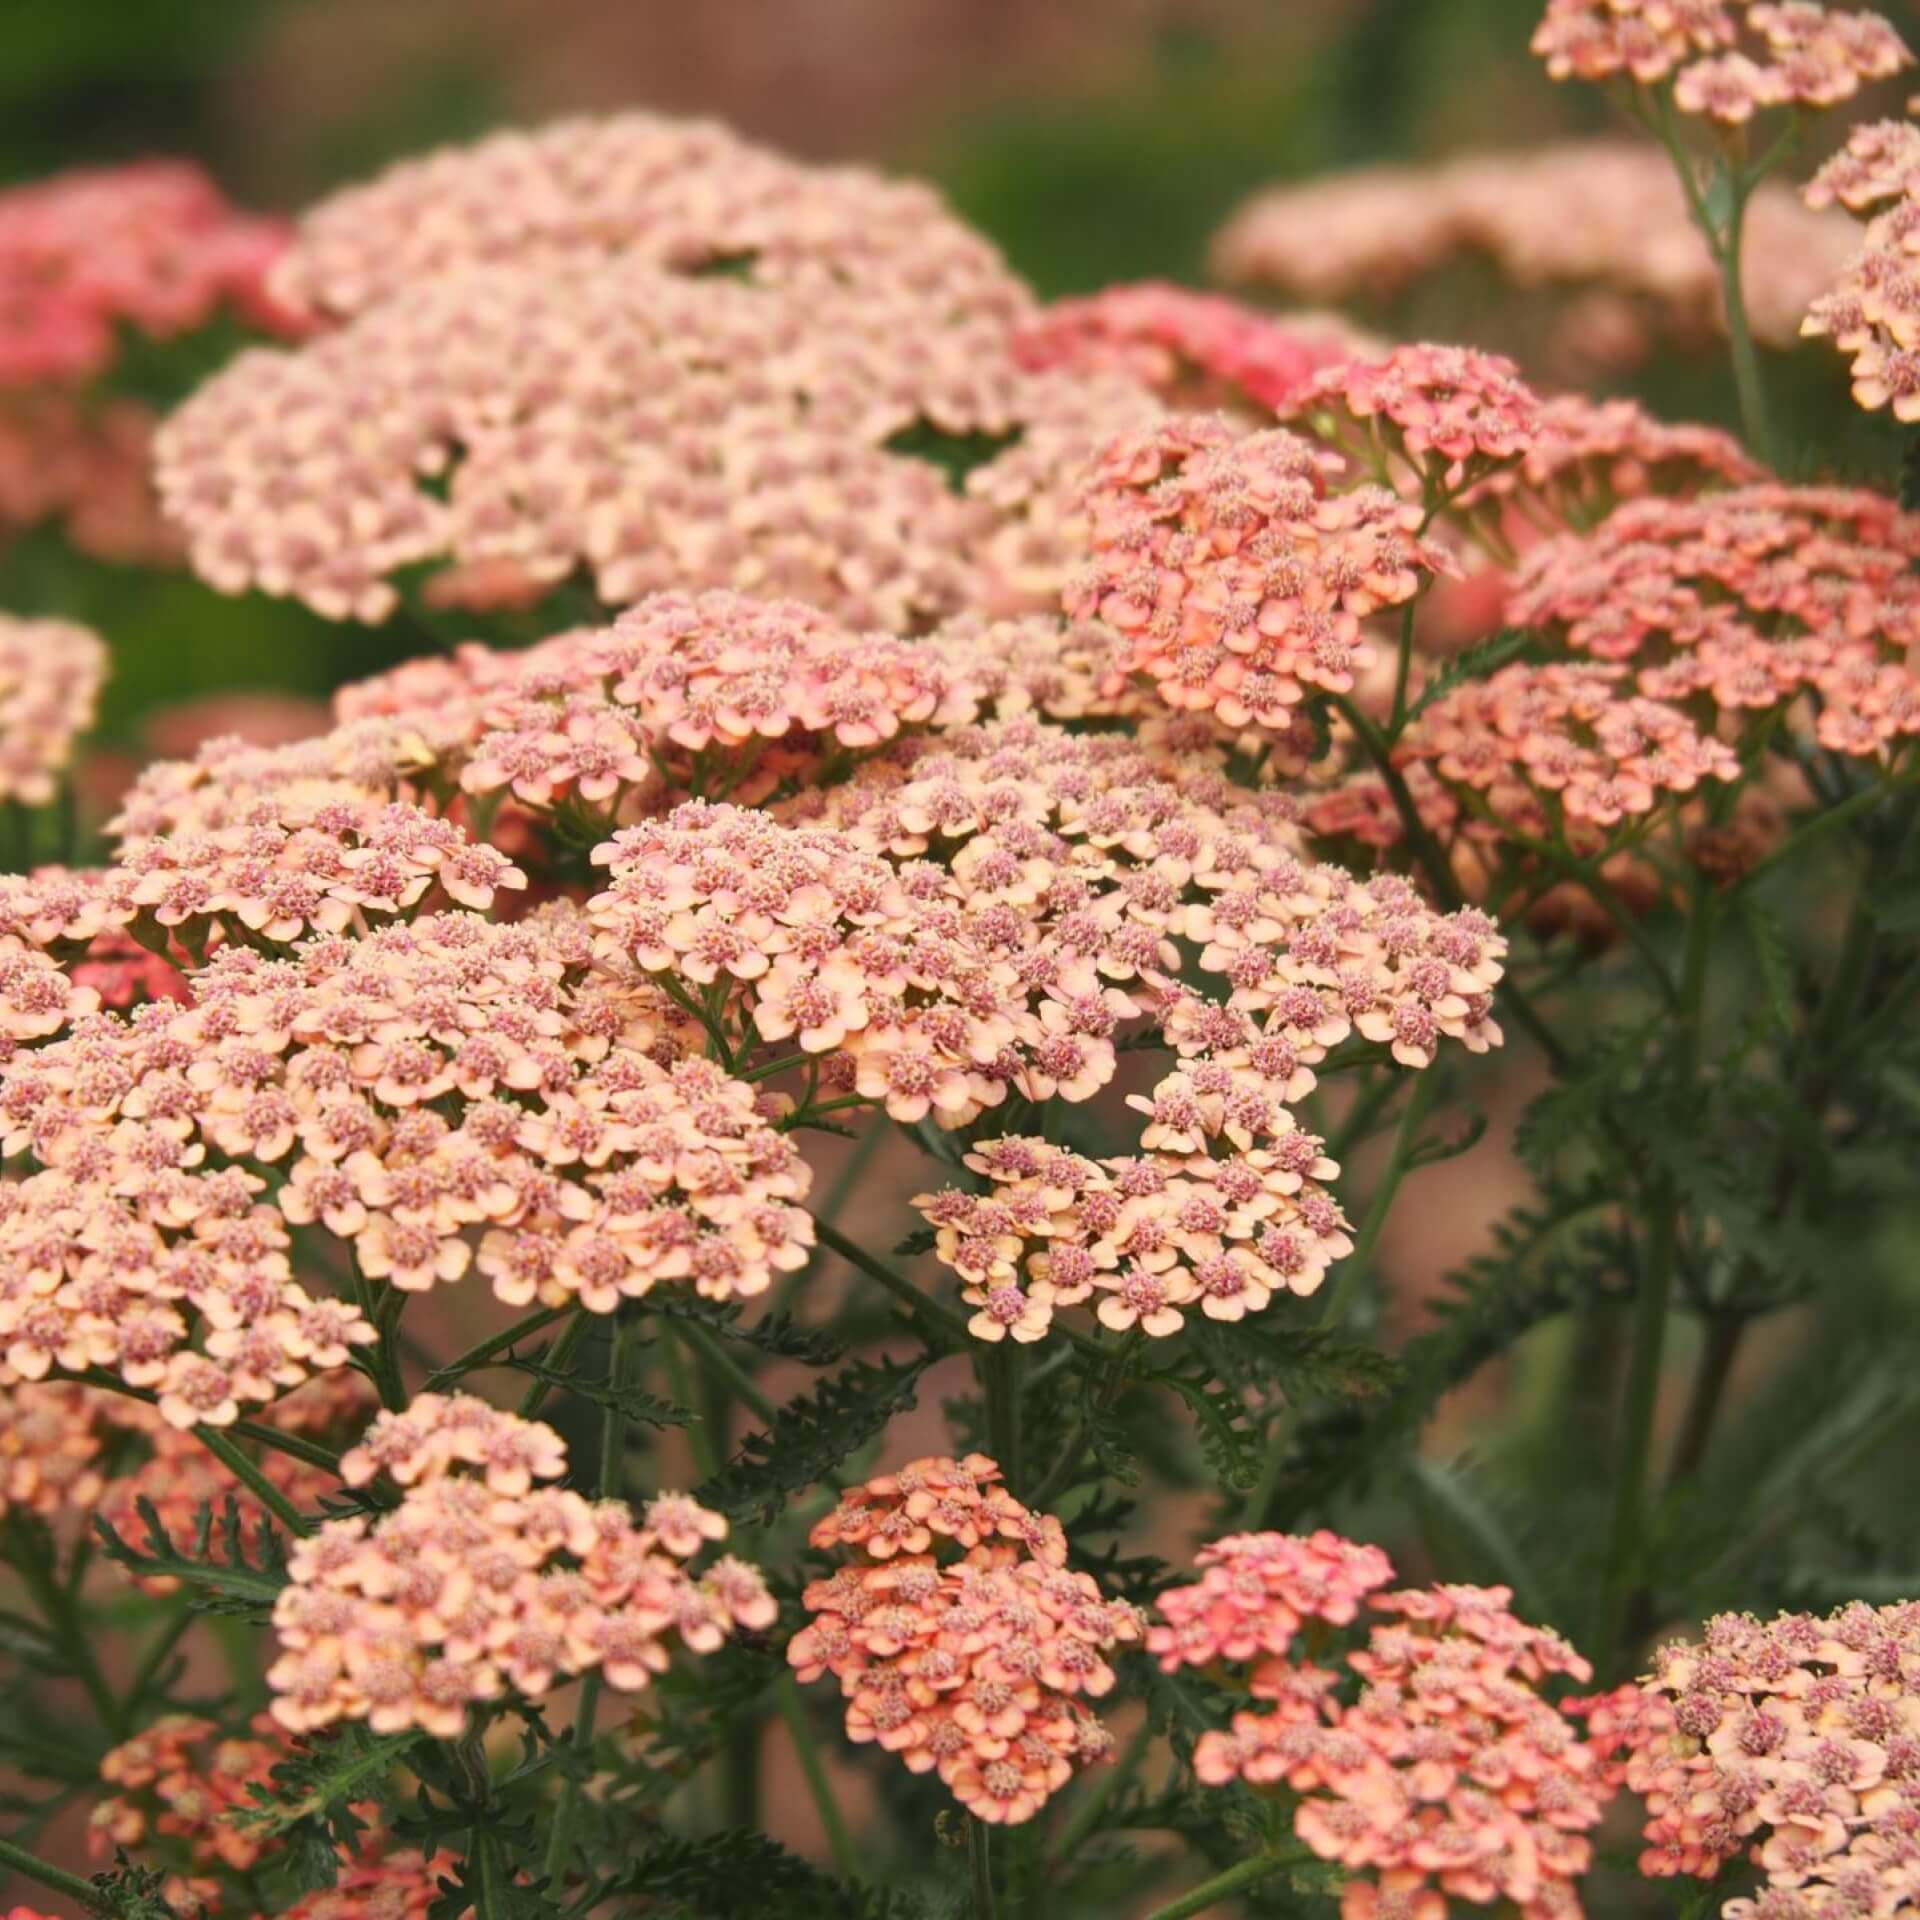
(672, 1227)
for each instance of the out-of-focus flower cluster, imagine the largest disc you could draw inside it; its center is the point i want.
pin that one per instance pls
(50, 677)
(1724, 61)
(1235, 577)
(483, 1578)
(1196, 350)
(178, 1785)
(1606, 215)
(1795, 1742)
(961, 1640)
(1448, 1775)
(1873, 310)
(652, 352)
(154, 246)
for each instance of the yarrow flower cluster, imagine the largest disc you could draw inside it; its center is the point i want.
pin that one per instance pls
(154, 246)
(1437, 416)
(542, 372)
(1745, 603)
(961, 1641)
(1447, 1776)
(178, 1785)
(483, 1577)
(1873, 309)
(1605, 218)
(50, 677)
(1792, 53)
(1196, 350)
(1795, 1742)
(1234, 576)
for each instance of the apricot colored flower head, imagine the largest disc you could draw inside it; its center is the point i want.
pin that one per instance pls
(153, 246)
(486, 1577)
(50, 677)
(1235, 578)
(1196, 350)
(1794, 1742)
(1724, 61)
(1434, 1769)
(961, 1640)
(1872, 311)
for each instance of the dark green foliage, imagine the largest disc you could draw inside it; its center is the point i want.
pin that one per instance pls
(812, 1435)
(216, 1566)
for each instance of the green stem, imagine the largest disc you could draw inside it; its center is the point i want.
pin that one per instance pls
(63, 1622)
(980, 1867)
(999, 1371)
(156, 1655)
(700, 1440)
(476, 1357)
(1403, 666)
(1340, 1295)
(570, 1337)
(714, 1355)
(1719, 1348)
(1626, 1537)
(1248, 1873)
(793, 1710)
(613, 1440)
(248, 1473)
(55, 1878)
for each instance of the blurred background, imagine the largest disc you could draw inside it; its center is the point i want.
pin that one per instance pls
(1095, 140)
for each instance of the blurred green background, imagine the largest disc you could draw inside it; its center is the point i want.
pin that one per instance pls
(1096, 140)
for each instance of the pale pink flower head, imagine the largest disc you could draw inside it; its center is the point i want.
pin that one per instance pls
(481, 1580)
(1258, 1590)
(51, 672)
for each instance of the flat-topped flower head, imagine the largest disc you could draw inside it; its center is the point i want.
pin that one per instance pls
(1434, 1769)
(688, 196)
(487, 1578)
(1793, 1742)
(1724, 61)
(1752, 601)
(961, 1641)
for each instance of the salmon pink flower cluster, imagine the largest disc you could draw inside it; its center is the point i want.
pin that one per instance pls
(1725, 61)
(1234, 577)
(1604, 221)
(1747, 603)
(154, 246)
(962, 1642)
(50, 677)
(1873, 309)
(1563, 746)
(179, 1785)
(1794, 1742)
(485, 1576)
(401, 1885)
(1447, 1776)
(1433, 418)
(1196, 350)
